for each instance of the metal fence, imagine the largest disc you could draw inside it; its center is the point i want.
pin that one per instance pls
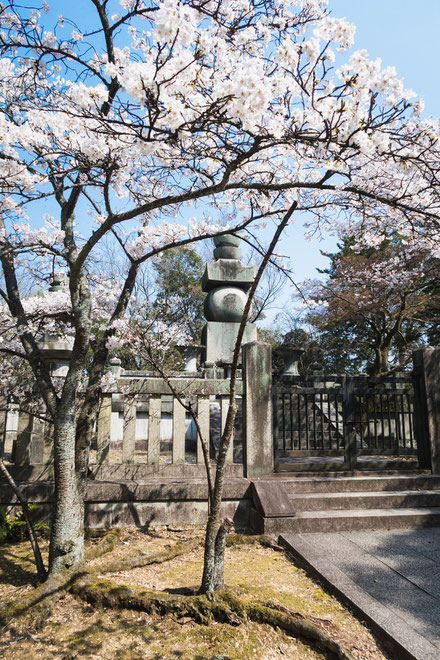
(344, 416)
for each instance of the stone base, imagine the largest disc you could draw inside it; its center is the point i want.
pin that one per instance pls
(146, 514)
(141, 503)
(219, 340)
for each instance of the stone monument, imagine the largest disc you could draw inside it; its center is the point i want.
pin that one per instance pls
(226, 281)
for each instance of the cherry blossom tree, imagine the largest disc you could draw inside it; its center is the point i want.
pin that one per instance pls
(114, 120)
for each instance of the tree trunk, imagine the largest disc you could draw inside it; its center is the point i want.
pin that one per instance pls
(380, 365)
(67, 535)
(208, 579)
(213, 561)
(219, 553)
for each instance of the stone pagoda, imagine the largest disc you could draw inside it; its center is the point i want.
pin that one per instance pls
(226, 282)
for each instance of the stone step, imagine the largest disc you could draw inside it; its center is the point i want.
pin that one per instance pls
(370, 483)
(342, 521)
(329, 463)
(384, 499)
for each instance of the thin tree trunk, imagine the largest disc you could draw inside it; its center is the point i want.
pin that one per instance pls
(211, 560)
(41, 570)
(219, 553)
(214, 550)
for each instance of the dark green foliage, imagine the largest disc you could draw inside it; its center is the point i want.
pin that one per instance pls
(15, 529)
(5, 523)
(179, 293)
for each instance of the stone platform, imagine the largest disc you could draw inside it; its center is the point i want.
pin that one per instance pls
(391, 579)
(277, 503)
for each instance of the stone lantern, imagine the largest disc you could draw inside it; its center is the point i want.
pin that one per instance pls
(190, 354)
(56, 350)
(291, 355)
(34, 444)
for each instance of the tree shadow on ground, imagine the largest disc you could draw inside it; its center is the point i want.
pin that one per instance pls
(399, 568)
(88, 641)
(13, 570)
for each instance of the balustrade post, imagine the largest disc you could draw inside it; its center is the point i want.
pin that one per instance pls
(30, 440)
(426, 363)
(129, 430)
(23, 442)
(103, 433)
(179, 432)
(154, 413)
(203, 413)
(257, 408)
(348, 412)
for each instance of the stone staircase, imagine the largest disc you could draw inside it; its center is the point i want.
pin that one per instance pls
(320, 503)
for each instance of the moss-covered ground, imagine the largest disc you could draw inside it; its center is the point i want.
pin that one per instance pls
(72, 628)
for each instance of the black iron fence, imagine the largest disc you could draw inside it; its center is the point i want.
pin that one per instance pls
(349, 416)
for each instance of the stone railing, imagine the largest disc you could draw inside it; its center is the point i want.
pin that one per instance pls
(146, 421)
(144, 427)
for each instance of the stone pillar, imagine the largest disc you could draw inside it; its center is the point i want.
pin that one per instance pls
(226, 281)
(257, 409)
(129, 429)
(349, 408)
(22, 454)
(30, 443)
(426, 363)
(154, 416)
(103, 430)
(203, 414)
(179, 429)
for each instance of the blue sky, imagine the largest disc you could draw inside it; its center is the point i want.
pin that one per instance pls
(405, 34)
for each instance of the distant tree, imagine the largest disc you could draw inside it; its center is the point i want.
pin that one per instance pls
(376, 302)
(179, 295)
(166, 310)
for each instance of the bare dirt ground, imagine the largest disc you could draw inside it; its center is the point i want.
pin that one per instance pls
(75, 629)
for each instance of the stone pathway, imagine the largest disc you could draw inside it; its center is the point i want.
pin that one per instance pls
(392, 578)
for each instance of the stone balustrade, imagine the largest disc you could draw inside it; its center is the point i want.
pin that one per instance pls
(143, 426)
